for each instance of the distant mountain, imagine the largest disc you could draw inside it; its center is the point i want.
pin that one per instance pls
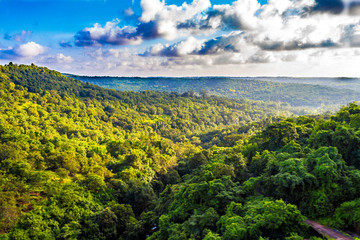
(298, 92)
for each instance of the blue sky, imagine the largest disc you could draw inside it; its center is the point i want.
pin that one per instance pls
(56, 17)
(177, 38)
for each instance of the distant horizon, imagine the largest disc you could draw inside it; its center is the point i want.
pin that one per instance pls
(173, 38)
(218, 76)
(191, 76)
(295, 90)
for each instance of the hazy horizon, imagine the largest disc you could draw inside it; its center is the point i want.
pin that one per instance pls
(207, 76)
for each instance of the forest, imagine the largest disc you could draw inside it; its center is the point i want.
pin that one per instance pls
(78, 161)
(306, 93)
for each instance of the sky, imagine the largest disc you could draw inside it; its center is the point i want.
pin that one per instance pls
(296, 38)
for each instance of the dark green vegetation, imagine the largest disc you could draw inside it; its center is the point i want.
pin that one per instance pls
(326, 92)
(81, 162)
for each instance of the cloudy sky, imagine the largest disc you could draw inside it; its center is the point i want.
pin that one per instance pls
(184, 38)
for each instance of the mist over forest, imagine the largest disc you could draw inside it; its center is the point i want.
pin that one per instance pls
(311, 93)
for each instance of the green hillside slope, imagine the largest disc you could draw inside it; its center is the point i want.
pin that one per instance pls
(81, 162)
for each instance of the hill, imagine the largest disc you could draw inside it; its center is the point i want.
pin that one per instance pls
(296, 92)
(81, 162)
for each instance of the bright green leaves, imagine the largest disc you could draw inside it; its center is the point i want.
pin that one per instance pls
(60, 215)
(278, 135)
(292, 180)
(261, 217)
(81, 162)
(217, 194)
(348, 215)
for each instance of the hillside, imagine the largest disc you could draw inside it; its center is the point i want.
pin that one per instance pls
(170, 114)
(312, 93)
(81, 162)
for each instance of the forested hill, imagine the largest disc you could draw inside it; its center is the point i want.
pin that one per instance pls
(81, 162)
(170, 114)
(295, 92)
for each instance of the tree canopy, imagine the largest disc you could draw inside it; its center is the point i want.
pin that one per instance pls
(81, 162)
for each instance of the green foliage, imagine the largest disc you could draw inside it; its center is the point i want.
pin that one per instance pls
(81, 162)
(296, 92)
(347, 215)
(212, 236)
(261, 217)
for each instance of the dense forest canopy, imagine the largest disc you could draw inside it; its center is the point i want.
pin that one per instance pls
(81, 162)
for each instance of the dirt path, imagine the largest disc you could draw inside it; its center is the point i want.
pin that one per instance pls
(327, 232)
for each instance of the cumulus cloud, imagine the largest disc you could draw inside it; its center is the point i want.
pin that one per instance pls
(351, 36)
(59, 59)
(170, 22)
(240, 33)
(227, 43)
(227, 49)
(183, 48)
(291, 37)
(257, 31)
(111, 33)
(251, 61)
(278, 25)
(27, 50)
(30, 49)
(240, 15)
(156, 10)
(157, 21)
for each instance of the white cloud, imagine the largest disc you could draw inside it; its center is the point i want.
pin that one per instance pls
(25, 51)
(239, 15)
(254, 62)
(168, 17)
(157, 10)
(157, 21)
(150, 9)
(58, 59)
(243, 34)
(111, 33)
(29, 50)
(61, 58)
(279, 26)
(189, 46)
(129, 12)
